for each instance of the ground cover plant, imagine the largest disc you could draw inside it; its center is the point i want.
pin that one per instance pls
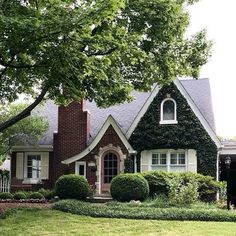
(138, 211)
(50, 222)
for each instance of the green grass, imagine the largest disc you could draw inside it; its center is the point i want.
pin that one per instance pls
(50, 222)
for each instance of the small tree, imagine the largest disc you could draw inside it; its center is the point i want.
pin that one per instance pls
(29, 130)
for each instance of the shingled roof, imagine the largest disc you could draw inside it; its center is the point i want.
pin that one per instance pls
(124, 114)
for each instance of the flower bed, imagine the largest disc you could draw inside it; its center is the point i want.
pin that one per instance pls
(11, 205)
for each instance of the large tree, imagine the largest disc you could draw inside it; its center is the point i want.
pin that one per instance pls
(94, 49)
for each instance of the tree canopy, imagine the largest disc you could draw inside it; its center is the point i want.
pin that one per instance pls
(27, 131)
(99, 50)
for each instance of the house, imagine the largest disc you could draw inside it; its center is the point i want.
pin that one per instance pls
(170, 128)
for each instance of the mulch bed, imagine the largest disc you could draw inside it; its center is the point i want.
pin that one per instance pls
(6, 206)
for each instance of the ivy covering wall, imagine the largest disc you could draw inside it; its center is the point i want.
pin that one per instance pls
(187, 134)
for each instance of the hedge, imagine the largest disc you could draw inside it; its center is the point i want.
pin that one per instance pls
(126, 187)
(72, 186)
(117, 211)
(207, 187)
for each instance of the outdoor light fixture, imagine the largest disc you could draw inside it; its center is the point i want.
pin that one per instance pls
(227, 166)
(227, 162)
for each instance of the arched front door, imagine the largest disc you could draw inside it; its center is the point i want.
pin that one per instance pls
(110, 168)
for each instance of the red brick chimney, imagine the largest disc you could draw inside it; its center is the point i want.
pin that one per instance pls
(72, 136)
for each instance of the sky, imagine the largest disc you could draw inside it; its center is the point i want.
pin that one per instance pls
(219, 18)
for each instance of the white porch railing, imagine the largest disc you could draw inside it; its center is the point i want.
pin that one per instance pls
(4, 184)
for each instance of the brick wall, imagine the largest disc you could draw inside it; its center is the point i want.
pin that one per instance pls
(110, 137)
(72, 136)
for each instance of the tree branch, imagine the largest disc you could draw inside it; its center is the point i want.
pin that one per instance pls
(25, 113)
(100, 53)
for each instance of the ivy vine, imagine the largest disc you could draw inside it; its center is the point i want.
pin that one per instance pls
(187, 134)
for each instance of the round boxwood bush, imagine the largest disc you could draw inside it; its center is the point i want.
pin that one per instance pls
(36, 195)
(127, 187)
(19, 195)
(72, 186)
(6, 196)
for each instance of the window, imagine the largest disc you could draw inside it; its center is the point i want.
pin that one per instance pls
(169, 160)
(168, 111)
(33, 166)
(110, 167)
(80, 168)
(159, 161)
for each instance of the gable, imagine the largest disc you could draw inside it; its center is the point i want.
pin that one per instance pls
(189, 133)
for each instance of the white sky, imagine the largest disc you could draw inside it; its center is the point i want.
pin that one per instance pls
(219, 18)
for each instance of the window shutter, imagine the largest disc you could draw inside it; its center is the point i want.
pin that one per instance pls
(20, 165)
(192, 160)
(44, 165)
(144, 161)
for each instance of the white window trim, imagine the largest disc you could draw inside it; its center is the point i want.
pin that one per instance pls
(175, 112)
(168, 152)
(77, 163)
(26, 179)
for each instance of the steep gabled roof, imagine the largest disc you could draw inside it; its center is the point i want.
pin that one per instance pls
(125, 114)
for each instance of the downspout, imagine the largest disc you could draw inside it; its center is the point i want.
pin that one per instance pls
(217, 169)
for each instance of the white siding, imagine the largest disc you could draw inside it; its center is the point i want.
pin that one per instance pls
(192, 160)
(145, 159)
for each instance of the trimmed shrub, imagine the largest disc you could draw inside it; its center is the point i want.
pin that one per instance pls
(47, 193)
(36, 195)
(158, 182)
(126, 187)
(72, 186)
(19, 195)
(6, 196)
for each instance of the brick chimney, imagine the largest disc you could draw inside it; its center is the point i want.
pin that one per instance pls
(72, 136)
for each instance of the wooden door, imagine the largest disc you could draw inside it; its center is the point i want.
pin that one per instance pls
(110, 169)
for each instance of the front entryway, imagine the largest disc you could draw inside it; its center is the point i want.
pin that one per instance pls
(110, 168)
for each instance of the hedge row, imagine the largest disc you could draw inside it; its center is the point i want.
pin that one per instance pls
(207, 187)
(118, 211)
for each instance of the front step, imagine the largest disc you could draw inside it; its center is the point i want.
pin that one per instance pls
(99, 199)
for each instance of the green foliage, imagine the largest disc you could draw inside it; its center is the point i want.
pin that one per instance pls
(182, 193)
(27, 131)
(139, 212)
(108, 47)
(129, 165)
(19, 195)
(35, 195)
(6, 196)
(5, 173)
(72, 186)
(187, 134)
(126, 187)
(159, 183)
(47, 193)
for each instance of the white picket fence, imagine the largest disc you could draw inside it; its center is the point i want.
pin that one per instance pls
(4, 184)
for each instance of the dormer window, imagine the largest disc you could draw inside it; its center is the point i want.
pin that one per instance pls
(168, 111)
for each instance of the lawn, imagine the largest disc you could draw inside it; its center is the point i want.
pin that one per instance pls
(50, 222)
